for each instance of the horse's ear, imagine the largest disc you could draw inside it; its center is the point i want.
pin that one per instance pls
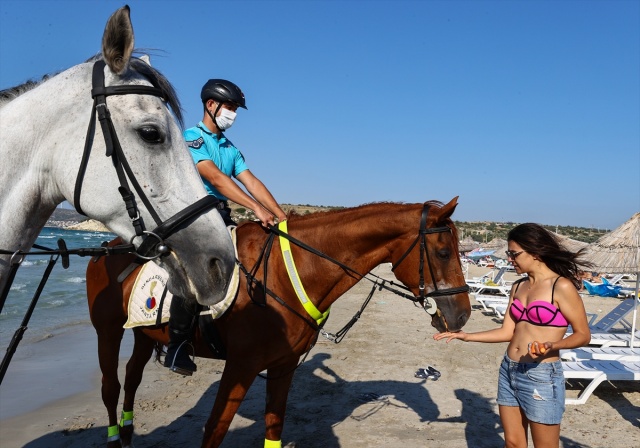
(447, 210)
(146, 59)
(117, 41)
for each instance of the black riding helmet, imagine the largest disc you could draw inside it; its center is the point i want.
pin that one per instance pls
(222, 91)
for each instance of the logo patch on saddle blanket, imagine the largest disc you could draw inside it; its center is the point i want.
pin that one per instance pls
(147, 297)
(150, 285)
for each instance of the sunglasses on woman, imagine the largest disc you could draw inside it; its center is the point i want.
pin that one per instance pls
(512, 255)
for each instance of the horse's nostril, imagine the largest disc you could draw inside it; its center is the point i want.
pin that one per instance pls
(463, 319)
(217, 274)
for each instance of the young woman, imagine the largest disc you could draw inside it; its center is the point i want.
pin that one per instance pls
(531, 389)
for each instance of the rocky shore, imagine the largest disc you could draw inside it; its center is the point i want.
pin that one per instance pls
(89, 225)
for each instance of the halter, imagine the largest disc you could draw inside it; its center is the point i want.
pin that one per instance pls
(428, 303)
(153, 240)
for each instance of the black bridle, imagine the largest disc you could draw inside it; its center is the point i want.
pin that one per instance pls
(422, 238)
(153, 244)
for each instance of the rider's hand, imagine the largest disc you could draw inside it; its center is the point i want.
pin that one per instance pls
(264, 216)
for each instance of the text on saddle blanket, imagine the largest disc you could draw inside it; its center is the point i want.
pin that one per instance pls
(150, 300)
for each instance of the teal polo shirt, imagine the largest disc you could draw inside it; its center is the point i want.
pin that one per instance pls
(205, 145)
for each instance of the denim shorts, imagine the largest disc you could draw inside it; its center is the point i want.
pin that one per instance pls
(537, 388)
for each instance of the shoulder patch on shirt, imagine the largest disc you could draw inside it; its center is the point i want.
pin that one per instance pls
(195, 144)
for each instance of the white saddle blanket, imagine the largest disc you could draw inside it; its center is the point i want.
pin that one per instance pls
(150, 284)
(144, 303)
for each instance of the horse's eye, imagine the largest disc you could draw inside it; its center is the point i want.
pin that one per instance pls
(443, 254)
(150, 134)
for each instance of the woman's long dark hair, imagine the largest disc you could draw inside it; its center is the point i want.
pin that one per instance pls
(541, 243)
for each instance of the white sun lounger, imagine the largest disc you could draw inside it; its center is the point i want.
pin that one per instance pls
(607, 339)
(499, 309)
(598, 371)
(486, 300)
(489, 283)
(601, 353)
(617, 316)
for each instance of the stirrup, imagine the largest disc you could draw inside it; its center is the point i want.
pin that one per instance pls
(178, 369)
(181, 371)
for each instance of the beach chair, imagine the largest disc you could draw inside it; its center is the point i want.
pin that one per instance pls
(625, 289)
(486, 300)
(488, 281)
(614, 317)
(598, 371)
(601, 289)
(608, 339)
(476, 282)
(601, 353)
(499, 309)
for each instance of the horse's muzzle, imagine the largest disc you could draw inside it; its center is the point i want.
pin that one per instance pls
(450, 318)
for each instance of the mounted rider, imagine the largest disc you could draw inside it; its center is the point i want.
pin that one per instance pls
(217, 161)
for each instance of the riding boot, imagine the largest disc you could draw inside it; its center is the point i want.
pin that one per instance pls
(183, 317)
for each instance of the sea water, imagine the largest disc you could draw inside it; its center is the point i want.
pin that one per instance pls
(57, 356)
(63, 301)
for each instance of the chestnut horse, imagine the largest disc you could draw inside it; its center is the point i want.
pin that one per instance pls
(420, 241)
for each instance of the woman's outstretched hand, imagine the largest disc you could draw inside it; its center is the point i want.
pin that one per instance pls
(449, 336)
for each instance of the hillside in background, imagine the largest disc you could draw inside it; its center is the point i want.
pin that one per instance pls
(485, 231)
(482, 231)
(64, 217)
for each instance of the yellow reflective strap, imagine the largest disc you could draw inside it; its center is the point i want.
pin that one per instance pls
(113, 433)
(127, 418)
(287, 255)
(272, 443)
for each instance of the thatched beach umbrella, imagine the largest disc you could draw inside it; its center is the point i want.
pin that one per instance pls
(495, 243)
(570, 244)
(501, 250)
(618, 252)
(468, 244)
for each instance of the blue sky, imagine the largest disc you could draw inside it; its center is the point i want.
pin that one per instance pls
(527, 110)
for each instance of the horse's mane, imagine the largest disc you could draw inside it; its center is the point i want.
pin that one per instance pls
(380, 207)
(136, 64)
(295, 216)
(12, 93)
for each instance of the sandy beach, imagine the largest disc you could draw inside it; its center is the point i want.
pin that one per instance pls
(360, 393)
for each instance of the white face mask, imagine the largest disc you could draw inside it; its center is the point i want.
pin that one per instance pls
(225, 119)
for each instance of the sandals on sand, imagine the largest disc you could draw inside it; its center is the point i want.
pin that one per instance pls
(428, 373)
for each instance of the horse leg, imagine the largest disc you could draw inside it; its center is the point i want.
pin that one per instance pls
(234, 384)
(142, 351)
(278, 385)
(108, 352)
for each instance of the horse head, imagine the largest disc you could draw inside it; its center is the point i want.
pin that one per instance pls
(430, 267)
(154, 185)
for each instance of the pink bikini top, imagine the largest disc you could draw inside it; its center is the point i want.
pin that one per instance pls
(538, 312)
